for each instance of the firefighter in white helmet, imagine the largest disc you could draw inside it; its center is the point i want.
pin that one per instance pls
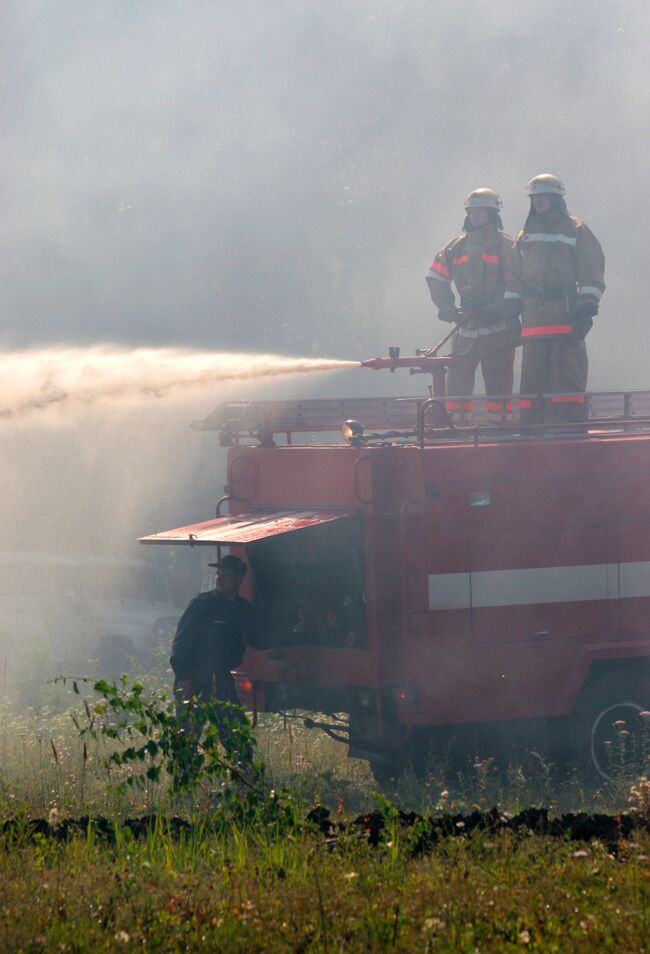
(559, 270)
(477, 263)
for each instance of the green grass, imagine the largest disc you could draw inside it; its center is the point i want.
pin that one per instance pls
(44, 763)
(254, 889)
(249, 891)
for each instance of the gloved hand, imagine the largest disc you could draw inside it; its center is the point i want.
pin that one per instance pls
(514, 327)
(511, 310)
(449, 314)
(582, 319)
(586, 309)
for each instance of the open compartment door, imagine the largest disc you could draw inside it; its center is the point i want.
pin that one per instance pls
(245, 528)
(308, 586)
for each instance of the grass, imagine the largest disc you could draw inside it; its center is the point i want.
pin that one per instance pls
(44, 764)
(251, 892)
(254, 889)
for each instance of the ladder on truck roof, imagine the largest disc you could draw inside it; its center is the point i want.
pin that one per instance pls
(620, 410)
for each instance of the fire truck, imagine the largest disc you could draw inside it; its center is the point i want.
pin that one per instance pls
(446, 584)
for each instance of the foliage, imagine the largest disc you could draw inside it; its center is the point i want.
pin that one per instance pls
(246, 877)
(204, 748)
(247, 890)
(640, 797)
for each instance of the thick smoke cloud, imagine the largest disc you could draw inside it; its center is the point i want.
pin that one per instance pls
(277, 176)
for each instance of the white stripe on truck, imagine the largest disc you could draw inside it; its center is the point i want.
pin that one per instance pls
(552, 584)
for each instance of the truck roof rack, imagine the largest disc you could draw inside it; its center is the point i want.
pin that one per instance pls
(312, 415)
(234, 419)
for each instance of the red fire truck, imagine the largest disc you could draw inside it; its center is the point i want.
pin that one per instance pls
(448, 584)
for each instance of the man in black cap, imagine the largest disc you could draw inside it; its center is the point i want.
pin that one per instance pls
(210, 640)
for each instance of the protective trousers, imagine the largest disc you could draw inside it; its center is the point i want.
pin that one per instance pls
(555, 366)
(497, 368)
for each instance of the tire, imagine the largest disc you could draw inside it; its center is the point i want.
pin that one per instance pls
(387, 772)
(428, 750)
(611, 729)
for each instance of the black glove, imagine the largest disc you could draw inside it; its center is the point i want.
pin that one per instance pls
(514, 327)
(449, 314)
(511, 310)
(582, 319)
(586, 309)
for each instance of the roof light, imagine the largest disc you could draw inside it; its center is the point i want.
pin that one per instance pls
(352, 431)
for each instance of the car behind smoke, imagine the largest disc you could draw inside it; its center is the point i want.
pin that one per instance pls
(81, 607)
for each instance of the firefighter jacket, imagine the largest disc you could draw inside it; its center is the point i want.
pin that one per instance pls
(210, 640)
(477, 262)
(558, 264)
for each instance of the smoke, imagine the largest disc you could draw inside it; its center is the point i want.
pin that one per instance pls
(278, 176)
(36, 380)
(221, 177)
(97, 448)
(81, 479)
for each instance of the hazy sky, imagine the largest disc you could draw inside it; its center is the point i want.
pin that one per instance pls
(279, 175)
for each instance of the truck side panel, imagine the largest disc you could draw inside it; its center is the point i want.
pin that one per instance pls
(531, 568)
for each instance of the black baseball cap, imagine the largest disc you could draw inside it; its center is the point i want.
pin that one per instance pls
(233, 563)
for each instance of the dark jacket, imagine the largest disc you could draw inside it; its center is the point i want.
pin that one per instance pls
(210, 640)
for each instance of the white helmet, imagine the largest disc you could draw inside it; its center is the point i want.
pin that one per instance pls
(545, 184)
(484, 199)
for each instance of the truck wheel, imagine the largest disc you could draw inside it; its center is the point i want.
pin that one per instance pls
(612, 730)
(387, 771)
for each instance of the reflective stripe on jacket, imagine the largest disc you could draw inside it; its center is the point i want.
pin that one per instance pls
(477, 263)
(558, 262)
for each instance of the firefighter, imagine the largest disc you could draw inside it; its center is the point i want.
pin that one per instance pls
(559, 271)
(210, 641)
(477, 263)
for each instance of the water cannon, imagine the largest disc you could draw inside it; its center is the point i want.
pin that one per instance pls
(424, 361)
